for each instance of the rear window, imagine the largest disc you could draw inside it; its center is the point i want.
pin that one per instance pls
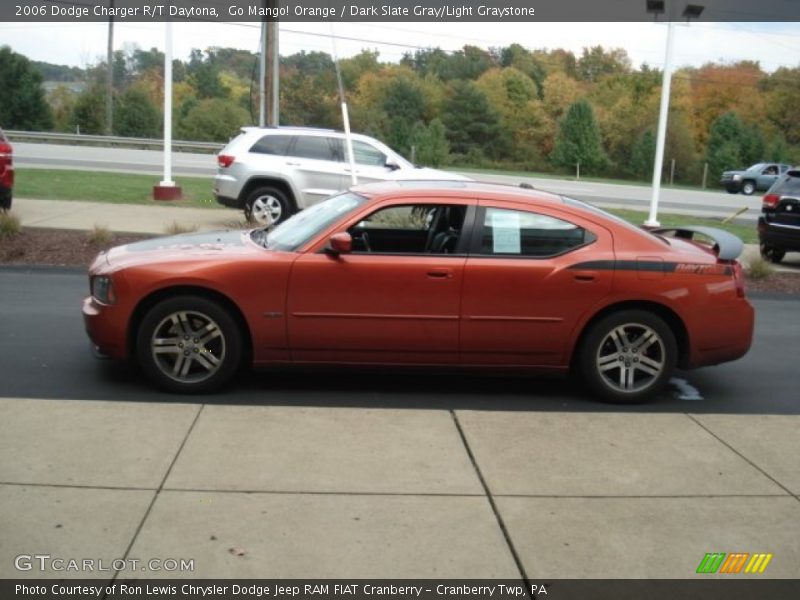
(272, 144)
(788, 185)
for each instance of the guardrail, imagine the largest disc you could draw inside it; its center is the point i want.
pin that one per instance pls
(107, 140)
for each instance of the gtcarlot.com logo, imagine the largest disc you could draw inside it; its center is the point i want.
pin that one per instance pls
(734, 563)
(46, 562)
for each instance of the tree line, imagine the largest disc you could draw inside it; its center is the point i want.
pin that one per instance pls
(511, 107)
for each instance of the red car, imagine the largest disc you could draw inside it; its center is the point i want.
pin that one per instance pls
(454, 274)
(6, 172)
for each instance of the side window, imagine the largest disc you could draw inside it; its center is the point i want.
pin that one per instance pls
(365, 154)
(272, 144)
(410, 229)
(521, 233)
(315, 147)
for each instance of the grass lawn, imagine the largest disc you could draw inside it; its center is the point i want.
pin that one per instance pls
(99, 186)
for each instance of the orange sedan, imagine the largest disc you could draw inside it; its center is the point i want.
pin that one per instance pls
(454, 274)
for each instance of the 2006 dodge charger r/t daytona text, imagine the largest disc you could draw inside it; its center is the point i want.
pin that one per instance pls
(448, 274)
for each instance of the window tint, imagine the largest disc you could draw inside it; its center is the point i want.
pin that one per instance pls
(272, 144)
(319, 148)
(365, 154)
(410, 229)
(519, 233)
(788, 185)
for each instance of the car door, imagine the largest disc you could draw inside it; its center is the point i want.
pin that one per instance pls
(389, 302)
(370, 163)
(317, 164)
(767, 176)
(523, 294)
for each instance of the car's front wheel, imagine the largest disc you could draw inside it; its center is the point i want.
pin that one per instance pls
(771, 253)
(748, 187)
(267, 206)
(627, 356)
(189, 345)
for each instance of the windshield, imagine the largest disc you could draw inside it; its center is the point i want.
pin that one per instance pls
(608, 215)
(300, 228)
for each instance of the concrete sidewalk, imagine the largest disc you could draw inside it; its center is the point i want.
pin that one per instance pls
(282, 492)
(129, 218)
(155, 218)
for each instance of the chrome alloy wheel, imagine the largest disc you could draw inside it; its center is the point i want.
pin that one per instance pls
(631, 357)
(188, 346)
(266, 210)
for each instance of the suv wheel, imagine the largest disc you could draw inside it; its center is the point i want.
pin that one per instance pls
(748, 187)
(771, 253)
(628, 356)
(267, 206)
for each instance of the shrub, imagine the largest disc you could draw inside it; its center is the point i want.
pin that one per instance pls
(9, 225)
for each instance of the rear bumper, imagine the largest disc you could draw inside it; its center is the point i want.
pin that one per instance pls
(786, 237)
(722, 333)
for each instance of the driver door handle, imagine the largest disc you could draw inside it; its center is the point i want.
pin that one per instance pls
(440, 274)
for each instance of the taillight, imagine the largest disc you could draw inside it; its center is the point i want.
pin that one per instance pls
(225, 160)
(770, 201)
(5, 153)
(738, 278)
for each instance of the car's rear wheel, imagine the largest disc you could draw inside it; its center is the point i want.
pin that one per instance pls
(267, 206)
(748, 187)
(627, 356)
(771, 253)
(189, 345)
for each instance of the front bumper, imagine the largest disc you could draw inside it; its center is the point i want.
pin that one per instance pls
(106, 332)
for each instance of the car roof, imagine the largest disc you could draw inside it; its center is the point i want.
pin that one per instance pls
(291, 130)
(456, 188)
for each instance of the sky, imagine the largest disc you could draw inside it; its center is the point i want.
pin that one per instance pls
(81, 44)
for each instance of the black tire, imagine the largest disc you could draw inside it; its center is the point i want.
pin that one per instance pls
(267, 206)
(602, 359)
(771, 253)
(201, 319)
(732, 190)
(748, 187)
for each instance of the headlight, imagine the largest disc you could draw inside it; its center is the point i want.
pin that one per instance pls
(103, 289)
(737, 177)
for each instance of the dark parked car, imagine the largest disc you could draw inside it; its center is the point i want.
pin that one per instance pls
(6, 172)
(779, 223)
(758, 177)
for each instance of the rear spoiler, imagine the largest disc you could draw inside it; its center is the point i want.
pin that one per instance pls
(728, 246)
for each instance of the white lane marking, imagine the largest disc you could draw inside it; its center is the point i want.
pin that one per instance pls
(685, 390)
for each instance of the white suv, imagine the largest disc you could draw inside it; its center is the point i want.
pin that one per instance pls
(272, 173)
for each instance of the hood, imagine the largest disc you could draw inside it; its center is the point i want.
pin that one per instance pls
(191, 246)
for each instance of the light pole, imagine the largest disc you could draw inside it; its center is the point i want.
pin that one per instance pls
(692, 11)
(167, 189)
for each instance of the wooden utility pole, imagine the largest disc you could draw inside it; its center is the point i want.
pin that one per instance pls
(269, 112)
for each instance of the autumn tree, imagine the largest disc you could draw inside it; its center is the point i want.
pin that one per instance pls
(135, 115)
(578, 140)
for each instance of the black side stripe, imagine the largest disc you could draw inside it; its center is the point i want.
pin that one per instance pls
(647, 265)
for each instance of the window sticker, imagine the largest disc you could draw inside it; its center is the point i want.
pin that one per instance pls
(505, 232)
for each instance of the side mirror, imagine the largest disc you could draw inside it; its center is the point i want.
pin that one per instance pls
(339, 243)
(391, 164)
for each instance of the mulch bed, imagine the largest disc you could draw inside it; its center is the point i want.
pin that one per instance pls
(62, 247)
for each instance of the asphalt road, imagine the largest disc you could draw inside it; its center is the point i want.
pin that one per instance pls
(44, 353)
(716, 203)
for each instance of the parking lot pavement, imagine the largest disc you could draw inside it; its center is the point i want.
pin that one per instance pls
(266, 491)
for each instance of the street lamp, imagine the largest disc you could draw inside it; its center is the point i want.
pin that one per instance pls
(691, 11)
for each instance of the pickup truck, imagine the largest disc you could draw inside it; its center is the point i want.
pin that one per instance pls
(758, 177)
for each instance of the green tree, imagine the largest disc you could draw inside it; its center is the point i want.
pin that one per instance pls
(777, 150)
(578, 140)
(135, 115)
(727, 144)
(431, 143)
(643, 155)
(404, 106)
(213, 120)
(473, 128)
(89, 113)
(23, 104)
